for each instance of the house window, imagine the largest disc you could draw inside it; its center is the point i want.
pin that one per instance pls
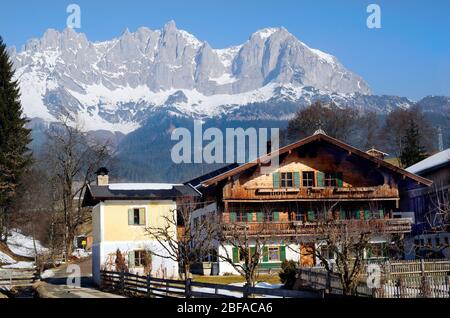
(241, 217)
(287, 179)
(438, 241)
(308, 179)
(139, 258)
(274, 254)
(330, 179)
(268, 216)
(136, 216)
(333, 179)
(136, 258)
(446, 240)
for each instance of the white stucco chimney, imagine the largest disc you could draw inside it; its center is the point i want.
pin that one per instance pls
(102, 176)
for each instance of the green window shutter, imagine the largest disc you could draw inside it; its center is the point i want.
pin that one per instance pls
(252, 251)
(265, 254)
(130, 217)
(276, 216)
(297, 179)
(276, 180)
(340, 180)
(233, 216)
(311, 216)
(320, 179)
(131, 259)
(142, 217)
(343, 215)
(235, 255)
(282, 253)
(369, 252)
(366, 214)
(381, 213)
(259, 217)
(357, 215)
(249, 217)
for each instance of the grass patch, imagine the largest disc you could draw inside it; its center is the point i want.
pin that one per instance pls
(226, 280)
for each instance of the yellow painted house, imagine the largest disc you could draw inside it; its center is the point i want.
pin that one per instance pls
(120, 215)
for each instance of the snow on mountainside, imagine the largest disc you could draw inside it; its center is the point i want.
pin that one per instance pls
(114, 85)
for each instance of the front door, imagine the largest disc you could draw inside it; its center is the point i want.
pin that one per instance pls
(307, 255)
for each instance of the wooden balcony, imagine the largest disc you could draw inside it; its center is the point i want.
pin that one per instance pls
(307, 229)
(239, 193)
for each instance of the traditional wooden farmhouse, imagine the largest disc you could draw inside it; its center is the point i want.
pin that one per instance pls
(431, 231)
(315, 175)
(120, 215)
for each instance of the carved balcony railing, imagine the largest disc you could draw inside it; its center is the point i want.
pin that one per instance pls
(299, 228)
(315, 193)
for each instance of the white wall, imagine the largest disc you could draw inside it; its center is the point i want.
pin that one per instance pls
(226, 268)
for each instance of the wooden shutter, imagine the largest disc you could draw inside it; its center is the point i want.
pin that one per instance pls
(297, 179)
(366, 214)
(130, 217)
(235, 255)
(381, 211)
(343, 215)
(249, 217)
(340, 179)
(131, 259)
(259, 217)
(276, 216)
(320, 179)
(265, 254)
(311, 216)
(357, 215)
(276, 180)
(142, 217)
(252, 252)
(232, 216)
(282, 253)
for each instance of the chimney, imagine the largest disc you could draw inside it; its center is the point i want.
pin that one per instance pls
(102, 176)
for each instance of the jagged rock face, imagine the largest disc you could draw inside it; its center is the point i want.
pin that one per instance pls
(112, 85)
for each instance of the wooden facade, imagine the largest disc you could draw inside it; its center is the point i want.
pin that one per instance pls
(315, 176)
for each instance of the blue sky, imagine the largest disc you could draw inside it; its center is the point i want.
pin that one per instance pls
(409, 56)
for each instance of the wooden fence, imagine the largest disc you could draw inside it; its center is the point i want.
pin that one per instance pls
(147, 286)
(400, 279)
(10, 278)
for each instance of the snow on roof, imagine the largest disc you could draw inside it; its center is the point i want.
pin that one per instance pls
(435, 160)
(141, 186)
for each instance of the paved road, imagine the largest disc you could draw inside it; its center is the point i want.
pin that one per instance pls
(56, 286)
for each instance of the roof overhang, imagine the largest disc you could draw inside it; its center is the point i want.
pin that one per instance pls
(305, 141)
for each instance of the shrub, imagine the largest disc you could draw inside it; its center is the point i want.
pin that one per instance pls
(288, 274)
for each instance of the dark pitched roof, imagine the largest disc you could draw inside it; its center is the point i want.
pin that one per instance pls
(95, 194)
(305, 141)
(199, 180)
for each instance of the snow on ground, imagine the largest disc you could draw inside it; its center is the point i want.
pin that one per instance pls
(6, 259)
(23, 245)
(47, 274)
(20, 265)
(81, 253)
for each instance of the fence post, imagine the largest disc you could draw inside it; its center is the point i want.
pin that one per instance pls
(246, 291)
(187, 288)
(422, 267)
(148, 285)
(328, 283)
(122, 282)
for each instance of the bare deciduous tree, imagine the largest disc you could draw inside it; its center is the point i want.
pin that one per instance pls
(73, 157)
(248, 240)
(183, 238)
(346, 241)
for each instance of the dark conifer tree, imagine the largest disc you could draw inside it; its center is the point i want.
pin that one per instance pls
(412, 151)
(15, 156)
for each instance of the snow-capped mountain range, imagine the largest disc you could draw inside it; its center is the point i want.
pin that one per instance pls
(114, 85)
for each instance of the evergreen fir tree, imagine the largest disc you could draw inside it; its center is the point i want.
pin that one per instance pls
(412, 151)
(15, 156)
